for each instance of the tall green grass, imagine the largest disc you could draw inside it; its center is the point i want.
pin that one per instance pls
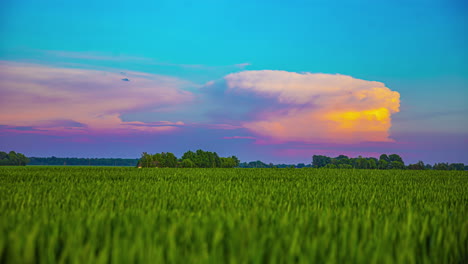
(128, 215)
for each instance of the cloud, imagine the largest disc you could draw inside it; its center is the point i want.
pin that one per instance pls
(310, 107)
(121, 58)
(269, 106)
(239, 137)
(308, 153)
(79, 101)
(98, 56)
(221, 126)
(243, 65)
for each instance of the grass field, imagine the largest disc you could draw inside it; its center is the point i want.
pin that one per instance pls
(128, 215)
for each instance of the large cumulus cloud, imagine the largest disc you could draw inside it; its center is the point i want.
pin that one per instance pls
(309, 107)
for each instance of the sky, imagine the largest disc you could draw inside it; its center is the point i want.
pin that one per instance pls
(277, 81)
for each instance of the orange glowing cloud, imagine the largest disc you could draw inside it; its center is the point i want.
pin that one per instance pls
(318, 107)
(52, 99)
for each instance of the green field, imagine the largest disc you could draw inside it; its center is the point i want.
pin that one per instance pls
(129, 215)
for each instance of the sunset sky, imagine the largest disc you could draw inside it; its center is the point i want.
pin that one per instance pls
(277, 81)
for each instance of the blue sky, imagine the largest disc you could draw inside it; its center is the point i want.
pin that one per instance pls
(416, 48)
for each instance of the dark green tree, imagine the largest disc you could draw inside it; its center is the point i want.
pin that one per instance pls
(13, 159)
(342, 159)
(228, 162)
(361, 163)
(187, 163)
(146, 161)
(417, 166)
(457, 166)
(330, 166)
(170, 160)
(397, 165)
(384, 157)
(319, 161)
(395, 157)
(441, 166)
(383, 164)
(236, 160)
(372, 164)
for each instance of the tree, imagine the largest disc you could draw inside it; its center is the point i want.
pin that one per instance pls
(397, 165)
(162, 160)
(187, 163)
(170, 160)
(383, 164)
(189, 155)
(228, 162)
(384, 157)
(236, 160)
(457, 166)
(215, 160)
(395, 157)
(22, 160)
(361, 163)
(13, 159)
(372, 164)
(319, 161)
(441, 166)
(159, 160)
(342, 159)
(146, 161)
(205, 159)
(418, 166)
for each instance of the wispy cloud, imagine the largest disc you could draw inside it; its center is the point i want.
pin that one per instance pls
(239, 137)
(65, 100)
(93, 56)
(243, 65)
(99, 56)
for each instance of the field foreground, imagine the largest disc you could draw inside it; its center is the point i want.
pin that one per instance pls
(128, 215)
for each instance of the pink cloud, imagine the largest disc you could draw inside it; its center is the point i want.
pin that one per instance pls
(220, 126)
(308, 153)
(80, 101)
(317, 107)
(239, 137)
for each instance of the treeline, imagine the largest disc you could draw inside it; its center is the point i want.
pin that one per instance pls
(385, 162)
(260, 164)
(83, 161)
(207, 159)
(13, 159)
(190, 159)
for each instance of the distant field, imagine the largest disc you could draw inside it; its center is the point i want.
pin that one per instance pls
(129, 215)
